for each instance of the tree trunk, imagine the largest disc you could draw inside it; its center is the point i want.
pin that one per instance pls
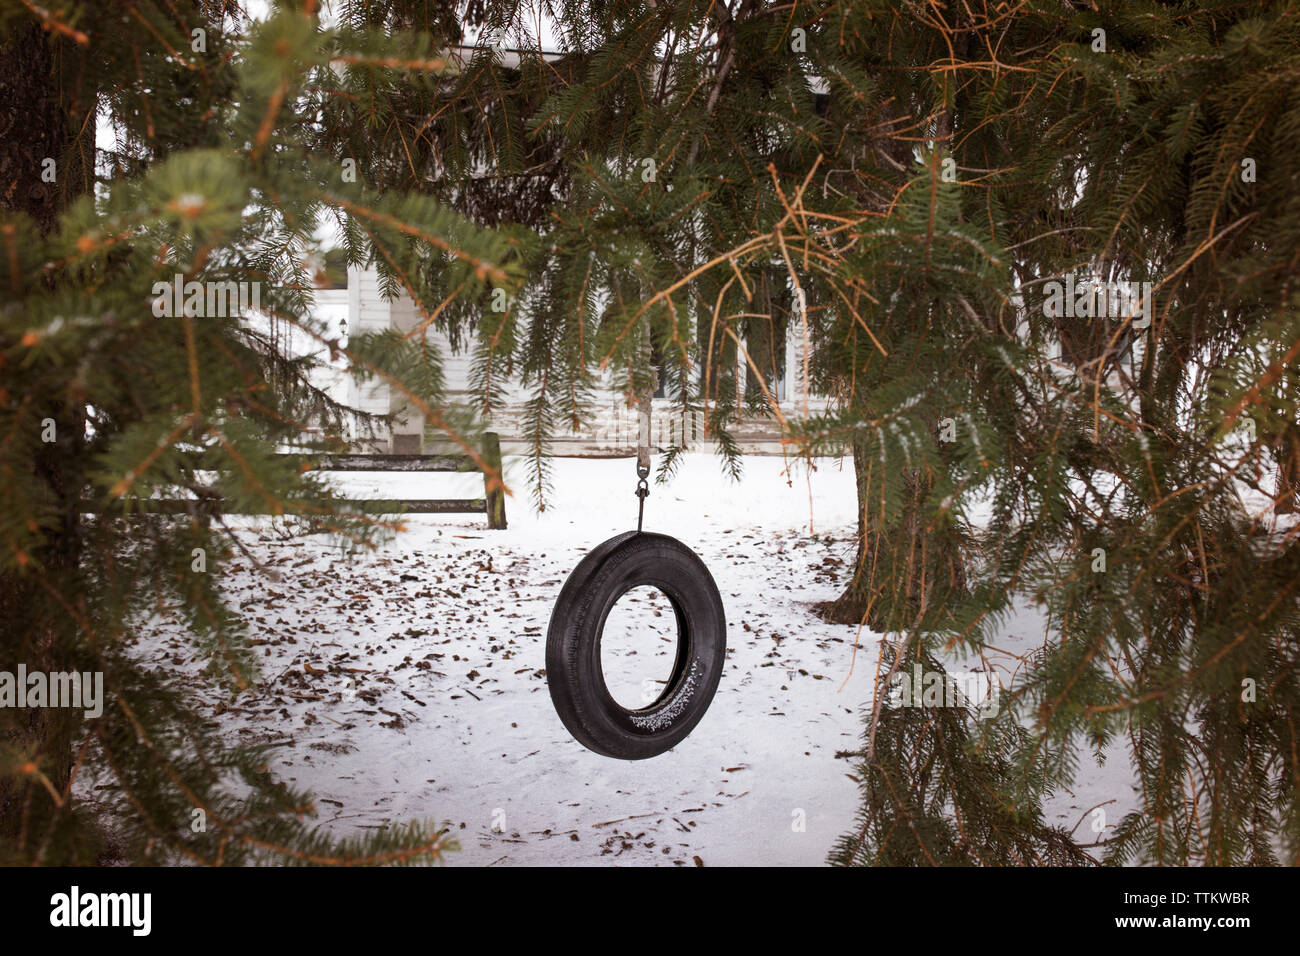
(43, 117)
(900, 559)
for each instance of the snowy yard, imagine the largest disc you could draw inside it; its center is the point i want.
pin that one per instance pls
(410, 684)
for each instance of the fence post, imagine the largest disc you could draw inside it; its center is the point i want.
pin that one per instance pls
(493, 498)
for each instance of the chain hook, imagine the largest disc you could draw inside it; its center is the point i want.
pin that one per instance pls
(642, 492)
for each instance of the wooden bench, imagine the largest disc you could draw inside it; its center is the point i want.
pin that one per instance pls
(493, 502)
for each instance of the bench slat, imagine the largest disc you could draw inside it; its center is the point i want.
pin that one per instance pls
(416, 506)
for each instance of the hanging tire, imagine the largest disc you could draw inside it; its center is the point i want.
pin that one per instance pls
(573, 670)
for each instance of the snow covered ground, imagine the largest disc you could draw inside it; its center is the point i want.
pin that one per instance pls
(410, 683)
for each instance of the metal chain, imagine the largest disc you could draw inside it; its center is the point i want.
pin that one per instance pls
(642, 492)
(642, 458)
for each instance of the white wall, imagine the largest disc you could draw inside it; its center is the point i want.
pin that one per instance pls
(613, 426)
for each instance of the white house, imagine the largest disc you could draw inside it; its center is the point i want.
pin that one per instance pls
(613, 428)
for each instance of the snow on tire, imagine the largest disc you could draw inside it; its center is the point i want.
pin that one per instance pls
(573, 669)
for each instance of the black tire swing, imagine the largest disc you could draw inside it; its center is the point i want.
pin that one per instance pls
(573, 669)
